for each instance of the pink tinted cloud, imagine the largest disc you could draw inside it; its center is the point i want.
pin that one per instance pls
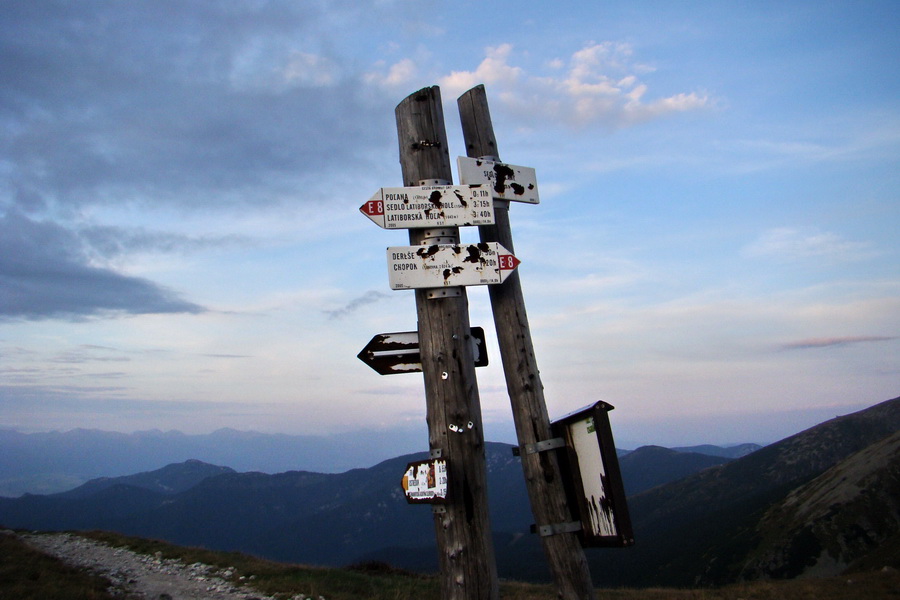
(835, 341)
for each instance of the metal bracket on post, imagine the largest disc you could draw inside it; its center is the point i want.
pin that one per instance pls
(556, 528)
(436, 453)
(542, 446)
(447, 292)
(438, 509)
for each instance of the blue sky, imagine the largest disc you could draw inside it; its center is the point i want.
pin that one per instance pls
(715, 252)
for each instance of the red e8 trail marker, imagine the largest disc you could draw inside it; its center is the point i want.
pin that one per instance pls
(430, 206)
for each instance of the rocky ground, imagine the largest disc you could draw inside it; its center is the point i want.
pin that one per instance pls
(140, 577)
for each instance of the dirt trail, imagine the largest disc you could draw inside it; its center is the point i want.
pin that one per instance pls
(140, 577)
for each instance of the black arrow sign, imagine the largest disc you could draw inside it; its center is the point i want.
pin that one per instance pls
(391, 353)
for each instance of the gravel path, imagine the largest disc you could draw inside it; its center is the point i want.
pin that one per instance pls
(141, 577)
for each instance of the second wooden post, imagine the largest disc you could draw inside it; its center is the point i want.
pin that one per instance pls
(523, 381)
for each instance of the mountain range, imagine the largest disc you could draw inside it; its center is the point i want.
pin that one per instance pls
(55, 461)
(819, 502)
(52, 462)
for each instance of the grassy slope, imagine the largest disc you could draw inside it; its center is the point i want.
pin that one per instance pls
(25, 574)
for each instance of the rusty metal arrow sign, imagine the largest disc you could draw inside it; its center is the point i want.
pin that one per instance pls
(392, 353)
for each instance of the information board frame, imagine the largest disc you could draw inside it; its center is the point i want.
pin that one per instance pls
(592, 477)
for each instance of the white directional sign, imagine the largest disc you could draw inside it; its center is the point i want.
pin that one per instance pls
(507, 182)
(430, 206)
(441, 265)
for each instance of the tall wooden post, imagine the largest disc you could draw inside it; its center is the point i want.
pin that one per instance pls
(526, 392)
(453, 406)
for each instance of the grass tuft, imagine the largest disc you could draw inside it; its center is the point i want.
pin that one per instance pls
(26, 574)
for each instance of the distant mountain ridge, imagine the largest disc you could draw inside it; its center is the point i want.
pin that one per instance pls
(814, 503)
(735, 451)
(195, 503)
(650, 466)
(56, 461)
(48, 463)
(171, 479)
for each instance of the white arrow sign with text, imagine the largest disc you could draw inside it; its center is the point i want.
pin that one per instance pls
(442, 265)
(430, 206)
(507, 182)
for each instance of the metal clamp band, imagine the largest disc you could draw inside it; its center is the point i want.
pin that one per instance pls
(543, 446)
(447, 292)
(570, 527)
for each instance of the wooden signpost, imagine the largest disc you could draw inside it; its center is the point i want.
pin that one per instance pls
(439, 268)
(462, 525)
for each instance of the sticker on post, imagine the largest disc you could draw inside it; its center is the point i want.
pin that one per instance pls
(425, 481)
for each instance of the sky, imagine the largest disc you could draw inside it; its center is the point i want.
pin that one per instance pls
(715, 252)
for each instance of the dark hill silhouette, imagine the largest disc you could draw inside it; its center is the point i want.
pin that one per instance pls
(834, 522)
(171, 479)
(698, 530)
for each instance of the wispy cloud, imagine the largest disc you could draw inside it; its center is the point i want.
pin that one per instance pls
(598, 84)
(788, 243)
(835, 341)
(369, 297)
(109, 242)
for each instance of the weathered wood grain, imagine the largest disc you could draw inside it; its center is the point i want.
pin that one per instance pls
(465, 547)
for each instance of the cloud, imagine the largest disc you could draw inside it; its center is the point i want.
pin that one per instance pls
(45, 273)
(137, 103)
(789, 243)
(493, 71)
(109, 242)
(125, 112)
(597, 85)
(399, 75)
(369, 297)
(834, 341)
